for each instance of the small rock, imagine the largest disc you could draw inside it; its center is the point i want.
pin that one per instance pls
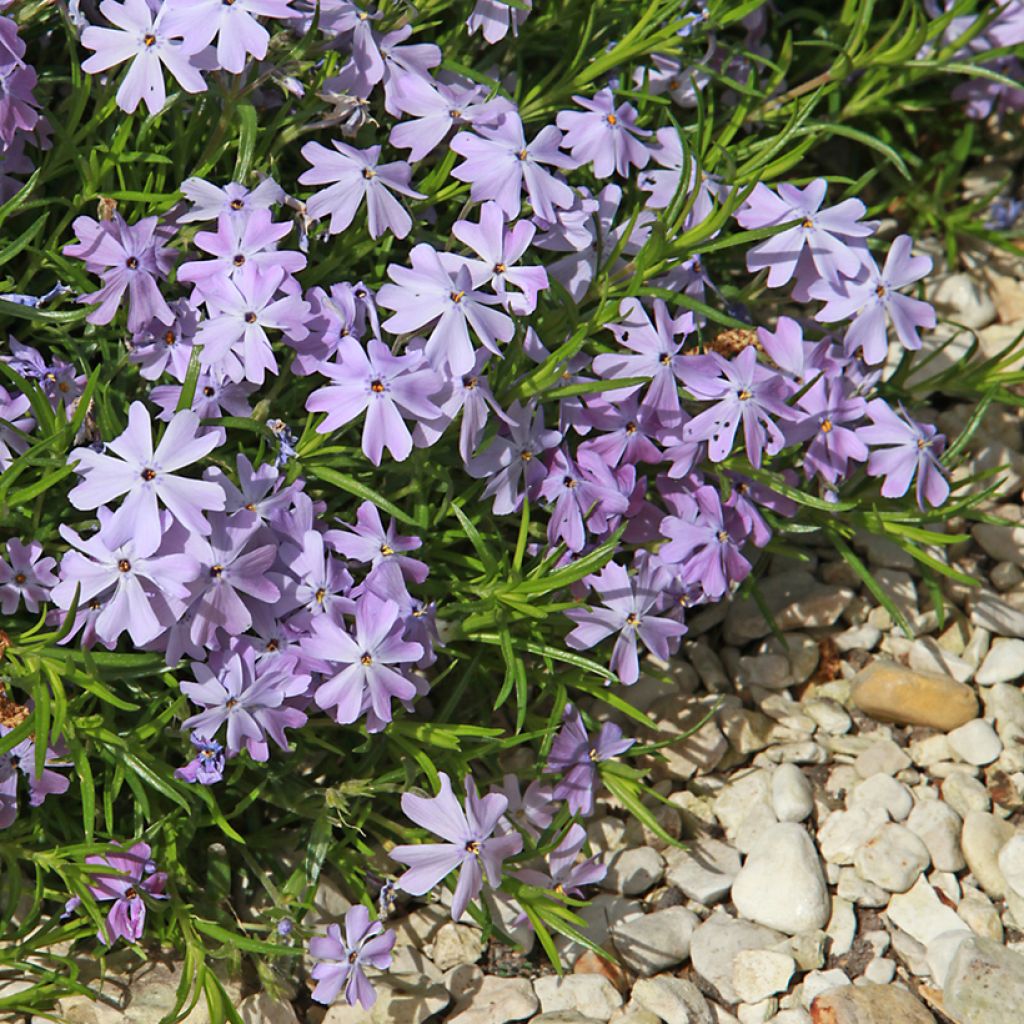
(1005, 576)
(995, 615)
(456, 944)
(891, 693)
(869, 1004)
(978, 913)
(760, 973)
(892, 858)
(927, 656)
(930, 750)
(497, 1001)
(743, 793)
(714, 945)
(406, 998)
(655, 942)
(962, 299)
(921, 914)
(884, 791)
(262, 1009)
(842, 926)
(792, 795)
(769, 671)
(673, 1000)
(1003, 663)
(941, 951)
(589, 994)
(633, 872)
(880, 757)
(462, 980)
(704, 871)
(864, 637)
(570, 1017)
(807, 949)
(880, 971)
(985, 984)
(829, 715)
(982, 839)
(1011, 864)
(964, 793)
(818, 982)
(781, 885)
(843, 832)
(938, 826)
(859, 891)
(1003, 543)
(975, 742)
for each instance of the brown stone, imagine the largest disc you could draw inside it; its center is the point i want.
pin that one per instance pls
(869, 1004)
(892, 693)
(590, 963)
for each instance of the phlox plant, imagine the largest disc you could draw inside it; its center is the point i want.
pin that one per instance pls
(387, 387)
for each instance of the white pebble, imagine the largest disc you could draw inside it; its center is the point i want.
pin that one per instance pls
(792, 795)
(975, 742)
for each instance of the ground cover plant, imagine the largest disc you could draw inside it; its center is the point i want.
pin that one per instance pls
(383, 383)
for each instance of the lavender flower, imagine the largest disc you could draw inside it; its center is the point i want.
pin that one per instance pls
(129, 875)
(142, 37)
(250, 698)
(22, 758)
(238, 33)
(829, 404)
(359, 667)
(166, 348)
(430, 292)
(744, 392)
(499, 162)
(493, 18)
(605, 136)
(148, 477)
(573, 754)
(382, 385)
(210, 201)
(356, 175)
(911, 450)
(586, 494)
(28, 578)
(627, 603)
(566, 874)
(469, 843)
(129, 259)
(871, 298)
(207, 767)
(342, 960)
(369, 541)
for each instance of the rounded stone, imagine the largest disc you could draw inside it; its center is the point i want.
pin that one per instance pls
(1003, 663)
(892, 693)
(1011, 864)
(782, 885)
(893, 858)
(633, 872)
(982, 839)
(714, 945)
(884, 791)
(760, 973)
(861, 1004)
(655, 942)
(976, 742)
(985, 983)
(792, 794)
(938, 826)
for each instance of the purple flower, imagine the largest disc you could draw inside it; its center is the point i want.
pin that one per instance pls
(233, 578)
(517, 457)
(207, 767)
(210, 201)
(241, 244)
(585, 493)
(249, 697)
(160, 347)
(429, 292)
(469, 843)
(356, 175)
(625, 431)
(824, 234)
(663, 185)
(912, 449)
(22, 758)
(129, 875)
(234, 339)
(359, 667)
(802, 360)
(142, 585)
(18, 107)
(499, 162)
(238, 33)
(704, 543)
(871, 297)
(829, 404)
(656, 354)
(500, 249)
(216, 395)
(129, 259)
(436, 108)
(627, 603)
(343, 960)
(322, 583)
(566, 874)
(148, 477)
(385, 386)
(577, 757)
(142, 37)
(743, 392)
(368, 541)
(495, 17)
(531, 811)
(605, 136)
(28, 578)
